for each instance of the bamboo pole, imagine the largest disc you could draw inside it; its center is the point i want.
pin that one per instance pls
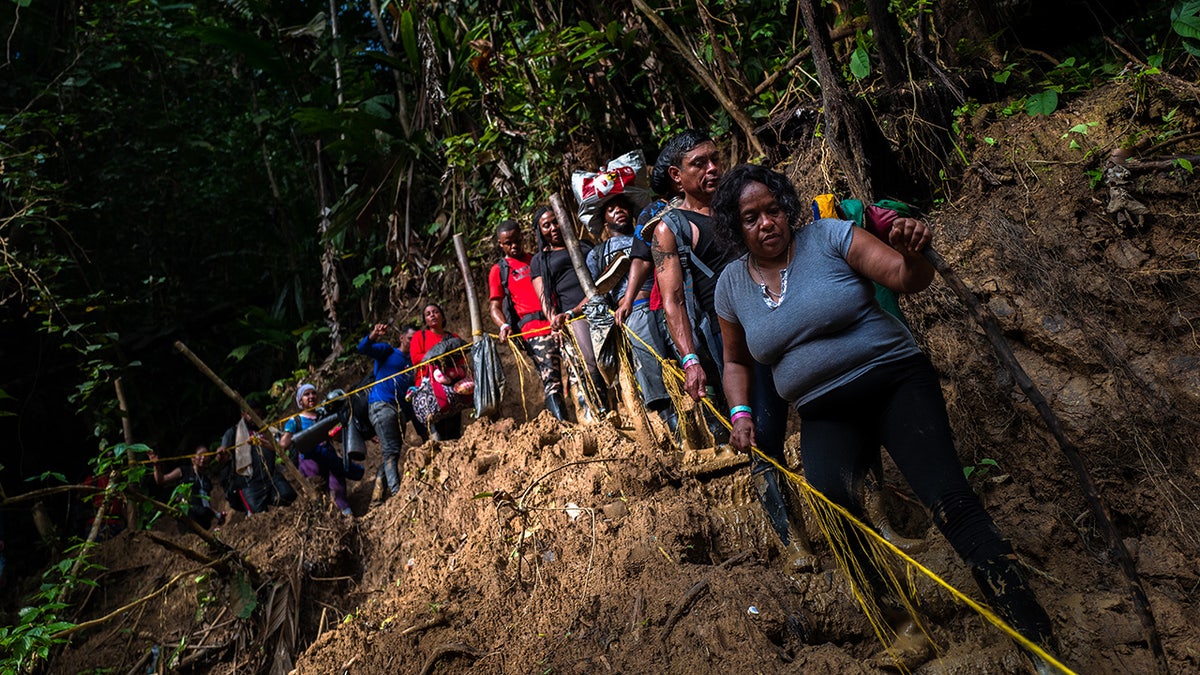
(631, 398)
(566, 224)
(131, 514)
(460, 249)
(991, 327)
(305, 489)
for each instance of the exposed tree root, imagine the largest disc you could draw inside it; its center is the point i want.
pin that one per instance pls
(693, 593)
(447, 650)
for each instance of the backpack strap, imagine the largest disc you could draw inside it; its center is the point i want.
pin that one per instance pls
(681, 227)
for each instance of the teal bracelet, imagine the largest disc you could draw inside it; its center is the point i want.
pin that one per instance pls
(689, 359)
(740, 408)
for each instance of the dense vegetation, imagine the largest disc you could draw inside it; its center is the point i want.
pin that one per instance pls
(261, 180)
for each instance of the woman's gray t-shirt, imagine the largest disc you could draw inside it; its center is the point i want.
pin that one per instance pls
(828, 329)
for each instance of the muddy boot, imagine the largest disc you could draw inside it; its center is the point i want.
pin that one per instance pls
(786, 522)
(557, 407)
(1007, 592)
(910, 647)
(671, 419)
(583, 412)
(377, 491)
(877, 517)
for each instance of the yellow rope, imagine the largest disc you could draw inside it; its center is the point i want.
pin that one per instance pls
(519, 357)
(822, 505)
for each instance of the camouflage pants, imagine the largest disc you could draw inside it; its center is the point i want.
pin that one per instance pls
(548, 361)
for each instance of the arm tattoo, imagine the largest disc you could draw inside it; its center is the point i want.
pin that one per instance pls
(660, 256)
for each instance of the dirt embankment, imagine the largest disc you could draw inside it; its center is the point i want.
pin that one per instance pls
(533, 547)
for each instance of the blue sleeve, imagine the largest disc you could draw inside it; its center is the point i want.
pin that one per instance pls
(376, 350)
(290, 426)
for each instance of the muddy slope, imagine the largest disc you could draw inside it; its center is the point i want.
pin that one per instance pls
(529, 547)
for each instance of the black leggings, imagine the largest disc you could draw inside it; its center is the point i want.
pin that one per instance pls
(900, 406)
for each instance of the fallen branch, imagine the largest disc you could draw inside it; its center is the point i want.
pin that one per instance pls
(1177, 84)
(202, 653)
(133, 605)
(305, 488)
(190, 554)
(45, 492)
(693, 593)
(984, 317)
(447, 650)
(183, 518)
(438, 621)
(1159, 164)
(735, 111)
(1169, 142)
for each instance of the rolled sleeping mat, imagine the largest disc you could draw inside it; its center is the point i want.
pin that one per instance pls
(354, 446)
(303, 441)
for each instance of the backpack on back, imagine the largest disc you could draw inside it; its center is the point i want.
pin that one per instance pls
(875, 218)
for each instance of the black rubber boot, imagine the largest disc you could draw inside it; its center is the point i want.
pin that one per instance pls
(784, 520)
(671, 419)
(557, 406)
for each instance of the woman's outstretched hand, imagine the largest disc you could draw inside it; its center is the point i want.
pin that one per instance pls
(742, 435)
(909, 236)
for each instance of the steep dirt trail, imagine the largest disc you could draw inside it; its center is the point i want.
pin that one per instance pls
(513, 551)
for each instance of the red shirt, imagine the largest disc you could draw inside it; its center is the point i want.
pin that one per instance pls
(520, 289)
(422, 341)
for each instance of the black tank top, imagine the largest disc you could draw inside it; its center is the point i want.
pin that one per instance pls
(709, 252)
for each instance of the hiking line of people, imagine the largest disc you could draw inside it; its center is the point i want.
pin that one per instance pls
(713, 271)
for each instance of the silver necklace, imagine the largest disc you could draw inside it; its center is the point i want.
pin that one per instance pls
(773, 300)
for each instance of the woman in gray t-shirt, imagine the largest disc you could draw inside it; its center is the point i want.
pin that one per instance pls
(801, 301)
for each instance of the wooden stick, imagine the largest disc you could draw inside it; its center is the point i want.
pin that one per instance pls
(438, 621)
(121, 610)
(566, 224)
(460, 249)
(984, 317)
(190, 554)
(305, 489)
(131, 514)
(694, 592)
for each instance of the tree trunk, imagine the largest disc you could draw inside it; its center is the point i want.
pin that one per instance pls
(843, 120)
(888, 43)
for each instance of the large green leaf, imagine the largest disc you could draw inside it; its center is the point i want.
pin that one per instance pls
(860, 63)
(408, 37)
(1042, 104)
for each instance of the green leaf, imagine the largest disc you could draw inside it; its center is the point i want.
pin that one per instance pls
(240, 353)
(1184, 164)
(1044, 103)
(1187, 26)
(860, 63)
(246, 598)
(408, 36)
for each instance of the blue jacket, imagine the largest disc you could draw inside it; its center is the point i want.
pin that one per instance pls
(388, 361)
